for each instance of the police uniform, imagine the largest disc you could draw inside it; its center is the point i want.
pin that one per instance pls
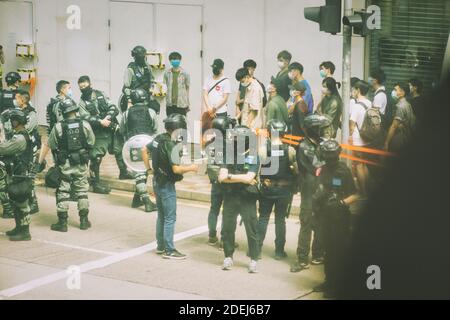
(277, 190)
(140, 119)
(309, 165)
(16, 154)
(94, 109)
(240, 199)
(72, 140)
(335, 184)
(7, 97)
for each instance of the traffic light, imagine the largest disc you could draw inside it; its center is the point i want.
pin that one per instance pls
(328, 17)
(359, 22)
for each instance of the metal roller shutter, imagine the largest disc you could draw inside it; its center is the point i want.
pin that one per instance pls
(412, 40)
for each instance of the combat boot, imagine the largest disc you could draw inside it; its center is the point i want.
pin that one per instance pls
(15, 230)
(98, 188)
(22, 235)
(8, 212)
(137, 202)
(149, 205)
(84, 221)
(61, 225)
(125, 175)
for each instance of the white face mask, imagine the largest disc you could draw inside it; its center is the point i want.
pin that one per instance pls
(70, 93)
(281, 64)
(291, 75)
(16, 104)
(324, 90)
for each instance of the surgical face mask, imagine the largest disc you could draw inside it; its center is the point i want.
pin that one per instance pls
(394, 94)
(370, 81)
(291, 75)
(245, 84)
(175, 63)
(323, 73)
(16, 104)
(69, 93)
(325, 90)
(281, 64)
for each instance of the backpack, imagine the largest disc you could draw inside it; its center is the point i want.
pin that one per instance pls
(371, 130)
(389, 113)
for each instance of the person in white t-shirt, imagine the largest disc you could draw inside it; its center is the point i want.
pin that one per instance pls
(216, 91)
(376, 81)
(359, 92)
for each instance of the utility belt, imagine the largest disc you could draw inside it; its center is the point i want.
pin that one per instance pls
(75, 158)
(276, 182)
(162, 177)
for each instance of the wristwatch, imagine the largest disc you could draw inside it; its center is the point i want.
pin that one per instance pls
(229, 176)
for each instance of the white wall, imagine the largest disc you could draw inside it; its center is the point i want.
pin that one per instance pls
(234, 30)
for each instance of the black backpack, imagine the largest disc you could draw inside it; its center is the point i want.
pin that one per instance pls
(389, 113)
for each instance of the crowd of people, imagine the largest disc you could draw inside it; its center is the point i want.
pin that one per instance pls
(81, 134)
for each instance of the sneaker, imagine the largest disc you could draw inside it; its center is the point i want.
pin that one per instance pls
(160, 251)
(317, 261)
(175, 255)
(299, 266)
(227, 264)
(212, 241)
(280, 255)
(252, 267)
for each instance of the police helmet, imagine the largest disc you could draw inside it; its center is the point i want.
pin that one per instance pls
(139, 96)
(67, 106)
(138, 51)
(175, 121)
(278, 126)
(222, 123)
(314, 123)
(329, 151)
(18, 115)
(12, 77)
(238, 132)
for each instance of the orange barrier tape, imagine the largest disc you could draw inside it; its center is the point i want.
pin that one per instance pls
(368, 150)
(347, 156)
(296, 138)
(294, 143)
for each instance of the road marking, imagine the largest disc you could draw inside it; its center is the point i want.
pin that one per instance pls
(96, 264)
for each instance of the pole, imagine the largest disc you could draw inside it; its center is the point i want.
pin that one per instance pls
(346, 71)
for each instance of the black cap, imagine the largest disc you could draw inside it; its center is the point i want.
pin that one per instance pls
(298, 86)
(218, 63)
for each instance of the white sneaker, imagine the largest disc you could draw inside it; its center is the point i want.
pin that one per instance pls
(227, 264)
(252, 267)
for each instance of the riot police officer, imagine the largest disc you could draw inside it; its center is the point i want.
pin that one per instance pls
(137, 75)
(8, 95)
(278, 178)
(309, 165)
(336, 191)
(240, 191)
(72, 139)
(16, 155)
(23, 102)
(167, 170)
(139, 119)
(101, 114)
(215, 150)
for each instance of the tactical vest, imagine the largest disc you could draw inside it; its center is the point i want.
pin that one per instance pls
(307, 158)
(7, 97)
(160, 162)
(97, 106)
(140, 80)
(73, 144)
(333, 179)
(215, 159)
(281, 152)
(139, 121)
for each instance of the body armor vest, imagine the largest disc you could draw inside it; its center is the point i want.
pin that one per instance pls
(140, 80)
(7, 97)
(281, 152)
(73, 143)
(139, 121)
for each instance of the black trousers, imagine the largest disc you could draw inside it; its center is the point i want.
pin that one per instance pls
(236, 203)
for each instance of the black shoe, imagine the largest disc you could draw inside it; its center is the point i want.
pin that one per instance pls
(175, 255)
(149, 205)
(60, 226)
(98, 188)
(22, 235)
(280, 255)
(84, 223)
(212, 241)
(124, 175)
(299, 266)
(13, 231)
(137, 202)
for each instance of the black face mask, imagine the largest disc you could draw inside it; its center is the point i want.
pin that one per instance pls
(86, 93)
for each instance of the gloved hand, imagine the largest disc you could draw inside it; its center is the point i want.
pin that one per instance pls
(39, 167)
